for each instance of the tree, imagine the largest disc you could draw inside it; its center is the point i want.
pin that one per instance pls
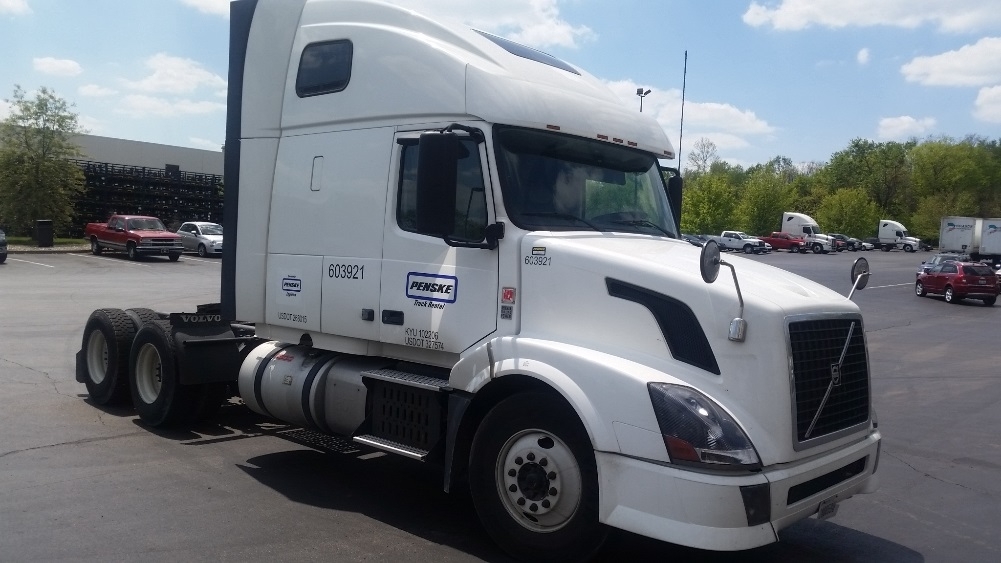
(763, 199)
(36, 179)
(849, 211)
(703, 156)
(707, 206)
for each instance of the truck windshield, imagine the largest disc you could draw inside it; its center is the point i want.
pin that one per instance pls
(145, 224)
(557, 182)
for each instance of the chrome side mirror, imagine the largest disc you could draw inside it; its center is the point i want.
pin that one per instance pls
(709, 263)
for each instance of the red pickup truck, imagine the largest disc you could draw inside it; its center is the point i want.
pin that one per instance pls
(135, 235)
(785, 241)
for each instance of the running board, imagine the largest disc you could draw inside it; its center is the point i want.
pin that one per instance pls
(392, 447)
(407, 378)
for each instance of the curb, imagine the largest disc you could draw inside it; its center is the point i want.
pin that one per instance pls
(47, 250)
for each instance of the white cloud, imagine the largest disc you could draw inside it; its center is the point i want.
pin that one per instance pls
(4, 109)
(95, 91)
(904, 127)
(988, 105)
(57, 67)
(956, 16)
(205, 144)
(533, 22)
(175, 75)
(863, 56)
(727, 126)
(970, 65)
(214, 7)
(150, 106)
(16, 7)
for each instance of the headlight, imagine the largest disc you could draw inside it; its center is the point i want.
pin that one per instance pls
(697, 430)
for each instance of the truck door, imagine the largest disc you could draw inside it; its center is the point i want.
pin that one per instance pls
(437, 297)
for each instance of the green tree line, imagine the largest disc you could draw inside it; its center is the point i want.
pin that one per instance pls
(916, 183)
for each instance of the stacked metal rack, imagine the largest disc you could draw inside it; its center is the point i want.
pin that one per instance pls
(169, 193)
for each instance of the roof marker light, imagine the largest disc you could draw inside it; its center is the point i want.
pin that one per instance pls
(553, 127)
(602, 137)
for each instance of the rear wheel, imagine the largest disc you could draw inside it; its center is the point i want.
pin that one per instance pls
(534, 480)
(95, 248)
(919, 289)
(157, 393)
(107, 337)
(950, 296)
(990, 301)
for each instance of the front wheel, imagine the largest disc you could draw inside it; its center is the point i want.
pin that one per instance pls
(174, 256)
(919, 289)
(132, 251)
(817, 248)
(748, 249)
(95, 248)
(534, 480)
(908, 248)
(202, 251)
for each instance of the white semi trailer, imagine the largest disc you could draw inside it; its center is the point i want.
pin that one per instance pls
(463, 251)
(978, 237)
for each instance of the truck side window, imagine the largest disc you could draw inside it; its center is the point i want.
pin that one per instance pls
(470, 197)
(324, 68)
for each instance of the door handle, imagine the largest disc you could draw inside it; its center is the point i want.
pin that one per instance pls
(392, 317)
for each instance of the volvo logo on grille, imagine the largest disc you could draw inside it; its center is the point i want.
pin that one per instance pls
(836, 373)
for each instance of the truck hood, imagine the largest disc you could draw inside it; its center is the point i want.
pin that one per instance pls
(568, 297)
(154, 233)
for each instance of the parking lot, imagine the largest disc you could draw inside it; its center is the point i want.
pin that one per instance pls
(83, 483)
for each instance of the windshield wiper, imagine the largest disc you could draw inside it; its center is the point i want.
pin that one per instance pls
(559, 215)
(644, 223)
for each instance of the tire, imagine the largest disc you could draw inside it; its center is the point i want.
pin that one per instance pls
(950, 296)
(174, 256)
(547, 432)
(802, 250)
(885, 248)
(107, 338)
(817, 248)
(990, 301)
(3, 258)
(908, 248)
(919, 289)
(141, 316)
(202, 251)
(157, 393)
(748, 249)
(132, 251)
(95, 248)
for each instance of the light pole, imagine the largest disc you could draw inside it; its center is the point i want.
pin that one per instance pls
(642, 94)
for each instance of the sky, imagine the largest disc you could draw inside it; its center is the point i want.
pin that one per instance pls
(765, 78)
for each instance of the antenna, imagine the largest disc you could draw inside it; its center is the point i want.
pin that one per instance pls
(681, 134)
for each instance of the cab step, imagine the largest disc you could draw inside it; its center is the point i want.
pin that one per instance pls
(391, 446)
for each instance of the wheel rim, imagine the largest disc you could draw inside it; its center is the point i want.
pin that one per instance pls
(97, 357)
(919, 289)
(201, 250)
(93, 246)
(538, 480)
(948, 294)
(149, 373)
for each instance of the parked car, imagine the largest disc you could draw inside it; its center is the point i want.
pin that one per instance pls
(936, 259)
(201, 237)
(846, 241)
(786, 241)
(959, 280)
(3, 246)
(693, 239)
(863, 245)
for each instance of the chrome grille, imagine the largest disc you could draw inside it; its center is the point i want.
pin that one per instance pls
(817, 346)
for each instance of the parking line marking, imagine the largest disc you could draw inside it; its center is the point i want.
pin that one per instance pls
(894, 285)
(110, 259)
(30, 262)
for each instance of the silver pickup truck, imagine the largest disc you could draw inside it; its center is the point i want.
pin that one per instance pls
(737, 240)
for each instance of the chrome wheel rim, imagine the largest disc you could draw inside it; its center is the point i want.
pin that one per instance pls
(538, 480)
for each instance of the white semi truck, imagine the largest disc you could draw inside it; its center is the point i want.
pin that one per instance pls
(978, 237)
(803, 225)
(892, 234)
(460, 250)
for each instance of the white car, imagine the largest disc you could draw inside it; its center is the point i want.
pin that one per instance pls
(202, 237)
(866, 245)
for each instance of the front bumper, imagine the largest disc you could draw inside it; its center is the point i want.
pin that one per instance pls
(728, 512)
(144, 249)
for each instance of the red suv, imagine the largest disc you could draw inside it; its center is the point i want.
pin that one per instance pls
(956, 280)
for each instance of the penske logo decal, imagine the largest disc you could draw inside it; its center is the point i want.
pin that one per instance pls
(432, 287)
(291, 285)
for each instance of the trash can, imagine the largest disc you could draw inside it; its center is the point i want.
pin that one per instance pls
(43, 232)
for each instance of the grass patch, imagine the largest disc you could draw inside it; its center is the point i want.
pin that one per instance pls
(28, 241)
